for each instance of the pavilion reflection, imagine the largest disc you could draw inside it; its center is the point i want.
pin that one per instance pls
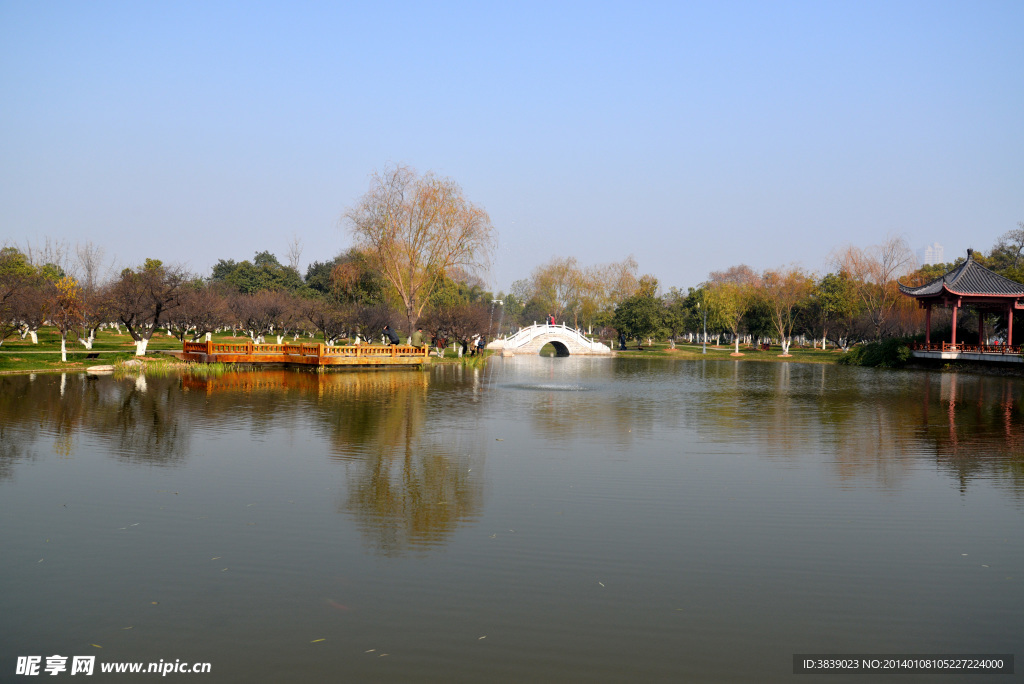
(878, 425)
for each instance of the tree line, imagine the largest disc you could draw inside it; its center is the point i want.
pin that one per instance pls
(419, 251)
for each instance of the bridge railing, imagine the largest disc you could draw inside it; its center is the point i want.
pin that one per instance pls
(528, 333)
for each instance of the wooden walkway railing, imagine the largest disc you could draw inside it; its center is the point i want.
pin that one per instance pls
(306, 354)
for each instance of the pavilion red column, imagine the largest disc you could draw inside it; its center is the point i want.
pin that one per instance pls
(955, 307)
(1009, 325)
(981, 329)
(928, 325)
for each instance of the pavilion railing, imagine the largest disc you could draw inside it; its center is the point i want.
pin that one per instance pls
(970, 348)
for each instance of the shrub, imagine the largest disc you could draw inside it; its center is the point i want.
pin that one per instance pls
(892, 353)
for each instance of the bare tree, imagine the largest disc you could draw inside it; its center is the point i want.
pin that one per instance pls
(202, 309)
(331, 319)
(418, 228)
(141, 297)
(89, 259)
(873, 273)
(294, 252)
(259, 312)
(50, 257)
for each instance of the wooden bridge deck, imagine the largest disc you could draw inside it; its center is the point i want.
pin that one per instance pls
(305, 354)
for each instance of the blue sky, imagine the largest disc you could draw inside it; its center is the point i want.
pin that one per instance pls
(694, 136)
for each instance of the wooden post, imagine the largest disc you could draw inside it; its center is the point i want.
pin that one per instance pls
(209, 348)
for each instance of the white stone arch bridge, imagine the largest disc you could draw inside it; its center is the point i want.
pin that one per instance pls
(566, 341)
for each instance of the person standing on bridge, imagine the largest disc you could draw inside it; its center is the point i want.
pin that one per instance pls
(551, 319)
(391, 335)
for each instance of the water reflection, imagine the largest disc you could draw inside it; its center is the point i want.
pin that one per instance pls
(410, 481)
(866, 423)
(135, 425)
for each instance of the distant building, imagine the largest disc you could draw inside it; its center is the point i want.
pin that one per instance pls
(932, 254)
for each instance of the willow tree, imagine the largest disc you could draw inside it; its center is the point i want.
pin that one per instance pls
(417, 228)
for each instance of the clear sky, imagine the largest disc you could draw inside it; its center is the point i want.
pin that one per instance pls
(692, 135)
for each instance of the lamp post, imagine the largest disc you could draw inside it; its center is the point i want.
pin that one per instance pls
(704, 349)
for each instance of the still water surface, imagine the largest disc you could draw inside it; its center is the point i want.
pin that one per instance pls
(542, 519)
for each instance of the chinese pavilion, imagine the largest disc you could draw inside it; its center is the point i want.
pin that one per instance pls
(969, 284)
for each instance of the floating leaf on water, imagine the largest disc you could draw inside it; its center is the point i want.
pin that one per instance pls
(96, 645)
(155, 603)
(601, 583)
(370, 650)
(40, 561)
(483, 637)
(215, 557)
(132, 627)
(316, 640)
(498, 439)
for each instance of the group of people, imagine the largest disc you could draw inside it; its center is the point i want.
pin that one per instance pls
(419, 340)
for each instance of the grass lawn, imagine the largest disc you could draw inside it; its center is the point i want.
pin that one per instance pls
(724, 352)
(21, 356)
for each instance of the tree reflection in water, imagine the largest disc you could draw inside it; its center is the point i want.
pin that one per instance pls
(866, 423)
(411, 480)
(138, 424)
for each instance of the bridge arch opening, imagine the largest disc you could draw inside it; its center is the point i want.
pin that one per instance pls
(560, 348)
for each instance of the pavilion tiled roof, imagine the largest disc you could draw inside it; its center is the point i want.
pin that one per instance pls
(969, 278)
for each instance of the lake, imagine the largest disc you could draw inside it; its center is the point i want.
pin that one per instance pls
(540, 519)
